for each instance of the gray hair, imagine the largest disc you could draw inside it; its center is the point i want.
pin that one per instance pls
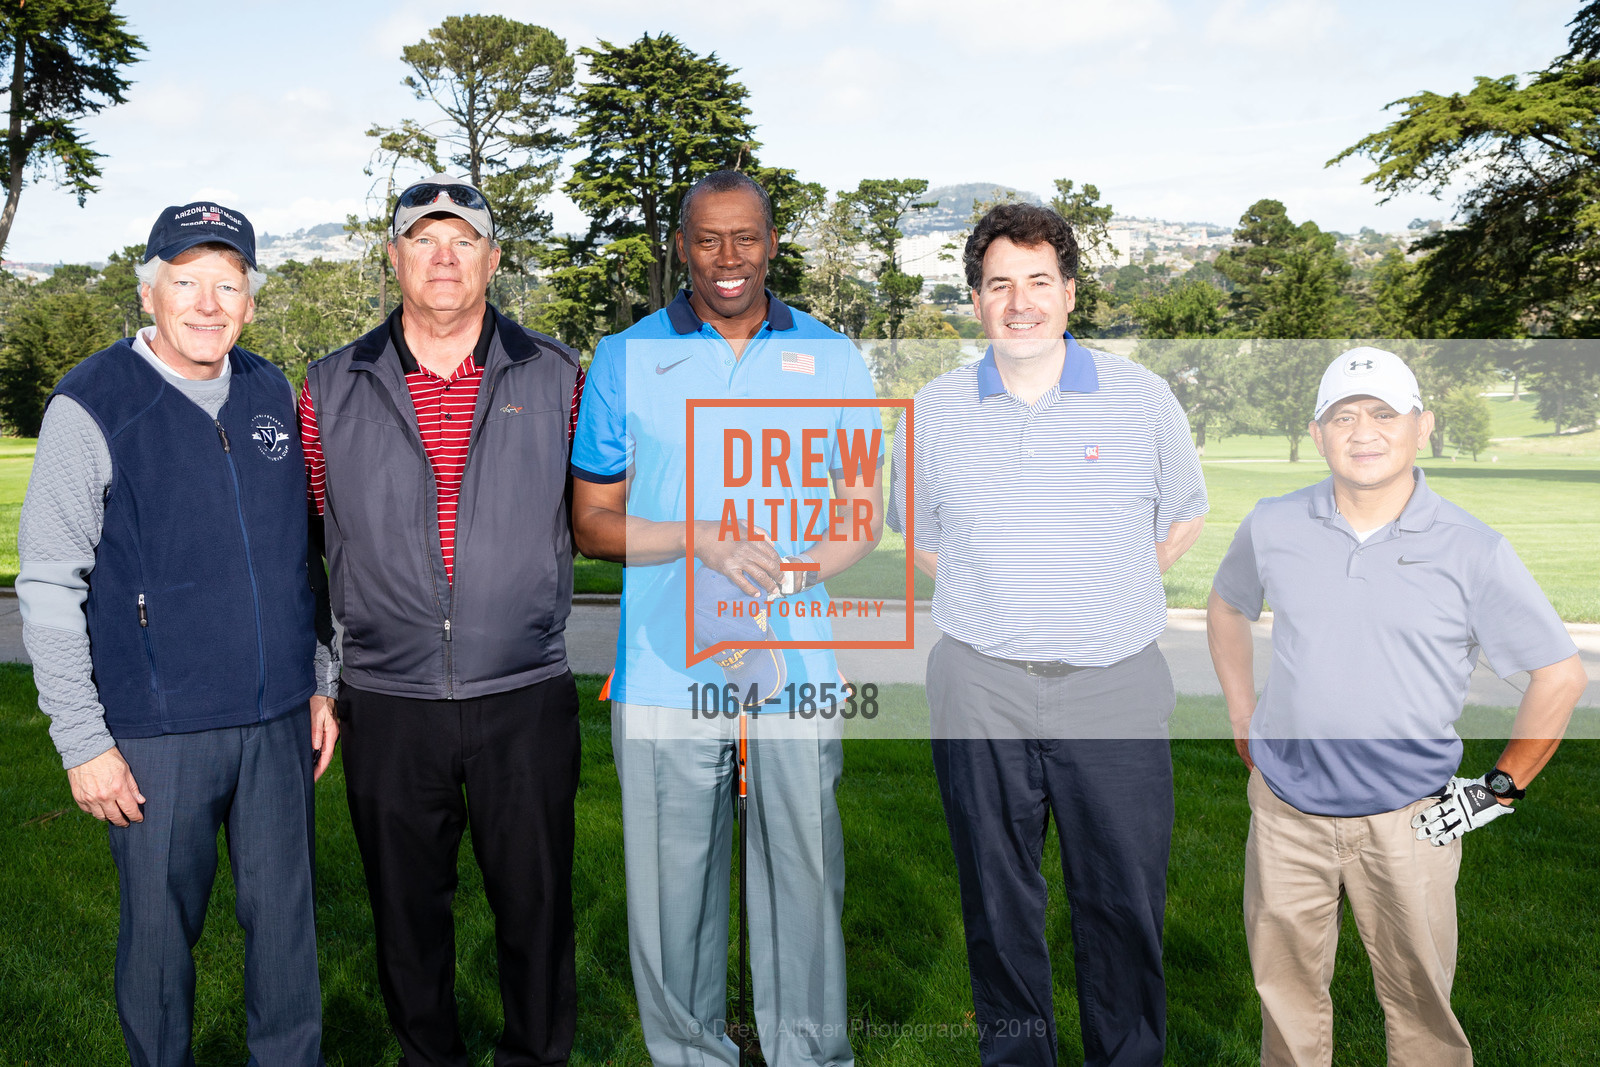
(254, 279)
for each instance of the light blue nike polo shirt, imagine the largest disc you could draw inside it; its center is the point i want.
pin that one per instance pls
(634, 422)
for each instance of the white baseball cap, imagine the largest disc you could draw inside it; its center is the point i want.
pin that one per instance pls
(1368, 371)
(441, 194)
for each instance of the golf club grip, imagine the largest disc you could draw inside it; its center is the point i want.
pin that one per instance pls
(744, 755)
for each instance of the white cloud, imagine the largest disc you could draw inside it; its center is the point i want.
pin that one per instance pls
(621, 21)
(399, 28)
(225, 196)
(1275, 25)
(851, 83)
(1035, 25)
(304, 211)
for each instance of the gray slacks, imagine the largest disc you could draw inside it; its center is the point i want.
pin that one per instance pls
(256, 782)
(678, 795)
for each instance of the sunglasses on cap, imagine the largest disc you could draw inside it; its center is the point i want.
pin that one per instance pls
(461, 195)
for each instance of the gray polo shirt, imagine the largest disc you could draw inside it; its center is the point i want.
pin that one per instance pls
(1373, 642)
(1045, 516)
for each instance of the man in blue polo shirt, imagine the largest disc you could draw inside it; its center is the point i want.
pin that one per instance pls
(1383, 594)
(1053, 485)
(760, 384)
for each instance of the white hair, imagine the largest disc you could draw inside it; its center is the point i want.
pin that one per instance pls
(146, 271)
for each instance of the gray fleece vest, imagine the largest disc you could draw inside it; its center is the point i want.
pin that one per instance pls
(408, 631)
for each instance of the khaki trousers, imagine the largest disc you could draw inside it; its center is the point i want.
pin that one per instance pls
(1298, 870)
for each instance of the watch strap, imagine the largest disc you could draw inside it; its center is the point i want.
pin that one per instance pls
(803, 579)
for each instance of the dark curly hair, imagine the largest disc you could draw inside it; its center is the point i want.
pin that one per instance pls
(1028, 225)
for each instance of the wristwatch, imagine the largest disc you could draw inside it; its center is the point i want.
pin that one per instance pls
(1501, 785)
(803, 579)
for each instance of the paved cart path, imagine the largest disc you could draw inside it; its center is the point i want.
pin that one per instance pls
(592, 630)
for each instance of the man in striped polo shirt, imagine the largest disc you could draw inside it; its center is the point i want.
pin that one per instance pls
(437, 449)
(1052, 485)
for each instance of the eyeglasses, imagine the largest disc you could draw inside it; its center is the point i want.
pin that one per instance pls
(460, 195)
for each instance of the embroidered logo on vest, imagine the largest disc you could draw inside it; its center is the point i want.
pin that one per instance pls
(270, 437)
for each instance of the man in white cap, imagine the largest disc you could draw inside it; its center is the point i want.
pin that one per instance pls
(1383, 594)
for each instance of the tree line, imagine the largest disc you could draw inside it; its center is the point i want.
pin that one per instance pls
(502, 102)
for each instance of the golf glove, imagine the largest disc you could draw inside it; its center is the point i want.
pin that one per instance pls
(1465, 804)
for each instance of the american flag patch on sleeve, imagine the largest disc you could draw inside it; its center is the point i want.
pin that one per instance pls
(799, 363)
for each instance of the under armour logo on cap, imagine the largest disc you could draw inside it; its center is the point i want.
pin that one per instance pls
(1358, 366)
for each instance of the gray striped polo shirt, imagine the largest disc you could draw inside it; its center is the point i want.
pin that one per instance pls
(1045, 516)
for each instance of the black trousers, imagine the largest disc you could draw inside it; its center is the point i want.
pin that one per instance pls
(417, 772)
(1052, 748)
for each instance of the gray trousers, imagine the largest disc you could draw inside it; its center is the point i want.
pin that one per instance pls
(255, 781)
(678, 796)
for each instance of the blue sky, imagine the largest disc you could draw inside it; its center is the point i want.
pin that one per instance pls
(1180, 110)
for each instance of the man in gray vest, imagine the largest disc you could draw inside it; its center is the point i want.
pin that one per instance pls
(166, 608)
(437, 449)
(1383, 594)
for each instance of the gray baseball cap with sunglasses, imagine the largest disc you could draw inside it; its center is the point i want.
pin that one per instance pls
(440, 194)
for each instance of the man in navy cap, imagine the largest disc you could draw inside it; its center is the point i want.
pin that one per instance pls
(167, 610)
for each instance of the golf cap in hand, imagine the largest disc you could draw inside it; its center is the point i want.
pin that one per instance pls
(1373, 372)
(757, 673)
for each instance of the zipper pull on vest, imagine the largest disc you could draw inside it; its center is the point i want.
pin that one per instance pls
(222, 434)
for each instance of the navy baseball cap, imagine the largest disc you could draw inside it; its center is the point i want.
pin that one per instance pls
(179, 229)
(757, 673)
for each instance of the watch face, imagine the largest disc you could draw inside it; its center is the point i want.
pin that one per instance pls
(1500, 782)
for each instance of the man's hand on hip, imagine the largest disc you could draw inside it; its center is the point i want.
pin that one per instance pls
(324, 732)
(104, 787)
(1465, 804)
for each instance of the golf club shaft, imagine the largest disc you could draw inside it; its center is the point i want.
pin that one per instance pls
(744, 858)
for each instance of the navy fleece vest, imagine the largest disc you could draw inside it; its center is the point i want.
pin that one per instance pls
(199, 609)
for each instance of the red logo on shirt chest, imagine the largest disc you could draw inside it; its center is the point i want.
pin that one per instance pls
(1091, 452)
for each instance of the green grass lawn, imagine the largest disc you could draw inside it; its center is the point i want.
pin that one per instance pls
(16, 462)
(1527, 990)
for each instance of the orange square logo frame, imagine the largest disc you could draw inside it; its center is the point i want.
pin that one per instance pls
(691, 656)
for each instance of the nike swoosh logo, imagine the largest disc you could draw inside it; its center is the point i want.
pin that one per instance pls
(1412, 562)
(663, 369)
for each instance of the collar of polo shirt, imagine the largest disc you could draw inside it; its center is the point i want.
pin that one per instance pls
(1416, 516)
(1077, 371)
(686, 320)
